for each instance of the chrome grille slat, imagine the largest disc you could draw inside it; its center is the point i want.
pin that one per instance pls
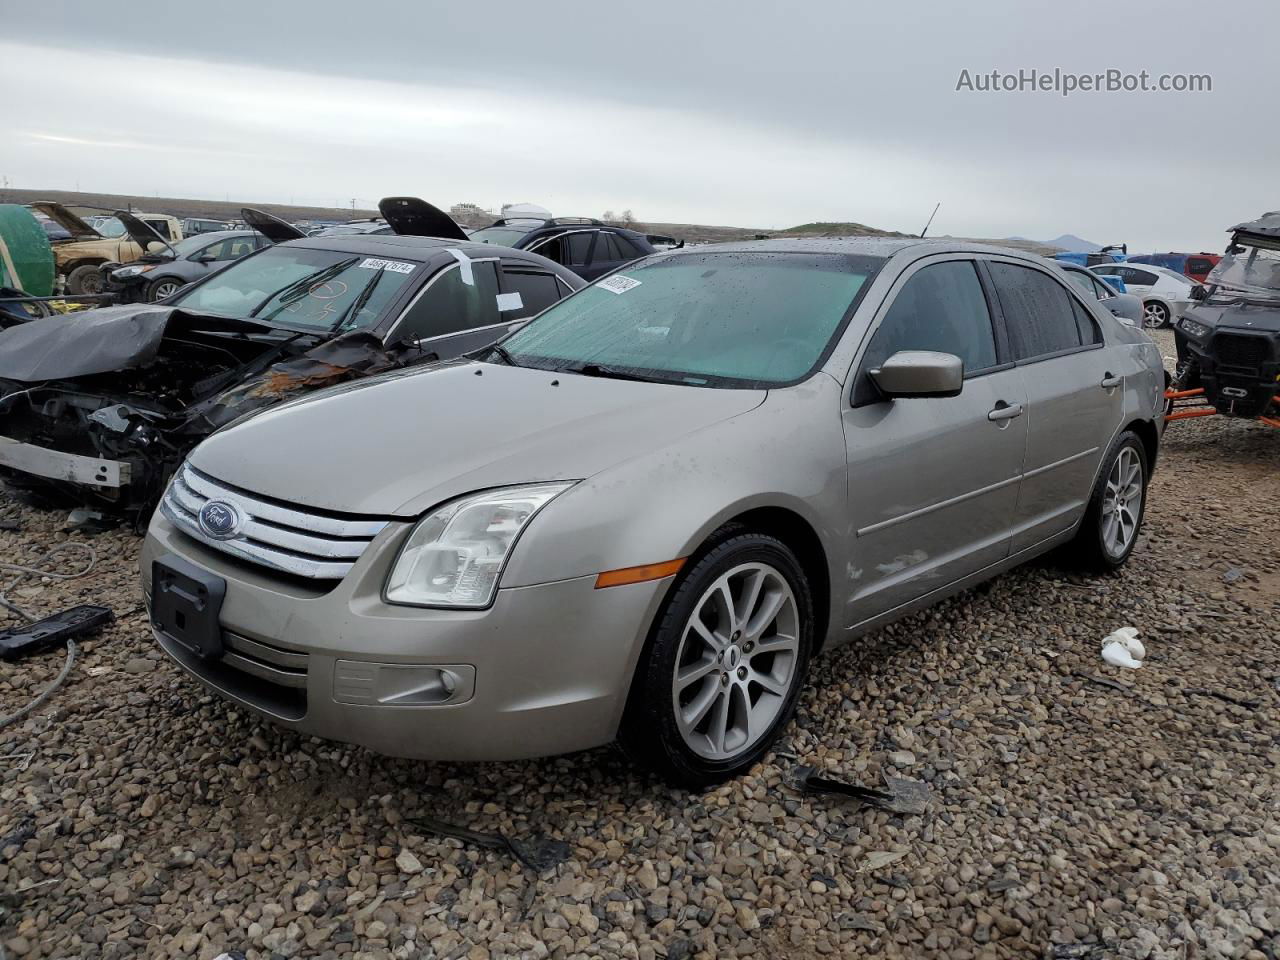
(286, 659)
(264, 671)
(285, 516)
(271, 535)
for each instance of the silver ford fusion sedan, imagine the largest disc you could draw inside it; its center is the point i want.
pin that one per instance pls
(642, 514)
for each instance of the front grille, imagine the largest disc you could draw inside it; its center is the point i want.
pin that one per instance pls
(305, 543)
(1241, 350)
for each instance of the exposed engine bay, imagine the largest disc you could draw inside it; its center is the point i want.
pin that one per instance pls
(177, 378)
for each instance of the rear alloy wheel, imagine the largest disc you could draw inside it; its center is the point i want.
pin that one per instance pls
(163, 288)
(1110, 528)
(1155, 315)
(720, 675)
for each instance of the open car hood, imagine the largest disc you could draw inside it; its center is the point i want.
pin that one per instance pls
(66, 219)
(270, 226)
(143, 235)
(413, 217)
(99, 341)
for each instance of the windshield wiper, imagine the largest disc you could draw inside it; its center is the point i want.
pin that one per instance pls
(353, 310)
(602, 370)
(504, 353)
(298, 288)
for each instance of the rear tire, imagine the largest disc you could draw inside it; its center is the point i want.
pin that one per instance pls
(724, 663)
(1113, 519)
(1155, 315)
(85, 280)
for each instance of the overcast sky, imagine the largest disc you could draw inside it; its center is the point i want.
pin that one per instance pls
(742, 113)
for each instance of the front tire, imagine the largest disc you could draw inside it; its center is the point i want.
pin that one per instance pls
(1111, 524)
(85, 280)
(723, 666)
(1155, 315)
(163, 288)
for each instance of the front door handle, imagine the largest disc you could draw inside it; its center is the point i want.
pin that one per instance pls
(1004, 411)
(1110, 382)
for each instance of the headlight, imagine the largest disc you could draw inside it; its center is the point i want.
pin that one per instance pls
(125, 272)
(455, 555)
(1197, 330)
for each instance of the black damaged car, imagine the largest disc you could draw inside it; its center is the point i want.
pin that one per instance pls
(106, 404)
(1228, 343)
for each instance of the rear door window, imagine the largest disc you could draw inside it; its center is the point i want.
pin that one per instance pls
(449, 305)
(1039, 312)
(606, 250)
(578, 245)
(536, 290)
(941, 307)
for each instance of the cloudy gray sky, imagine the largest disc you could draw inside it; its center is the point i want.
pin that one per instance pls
(745, 113)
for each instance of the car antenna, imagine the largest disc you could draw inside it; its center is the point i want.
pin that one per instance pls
(931, 216)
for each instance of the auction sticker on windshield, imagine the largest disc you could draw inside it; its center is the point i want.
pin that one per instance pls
(618, 284)
(395, 266)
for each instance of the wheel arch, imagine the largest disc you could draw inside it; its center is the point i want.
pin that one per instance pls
(797, 533)
(1150, 437)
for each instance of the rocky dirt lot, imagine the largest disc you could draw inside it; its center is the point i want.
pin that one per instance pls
(1077, 811)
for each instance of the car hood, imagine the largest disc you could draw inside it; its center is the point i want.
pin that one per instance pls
(67, 220)
(399, 446)
(1260, 316)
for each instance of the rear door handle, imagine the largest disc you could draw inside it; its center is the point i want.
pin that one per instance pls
(1004, 411)
(1110, 382)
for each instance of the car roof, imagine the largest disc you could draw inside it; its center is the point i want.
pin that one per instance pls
(859, 246)
(215, 235)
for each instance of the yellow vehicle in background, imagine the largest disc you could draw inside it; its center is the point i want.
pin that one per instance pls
(78, 257)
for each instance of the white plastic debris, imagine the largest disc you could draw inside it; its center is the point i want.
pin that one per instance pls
(1124, 649)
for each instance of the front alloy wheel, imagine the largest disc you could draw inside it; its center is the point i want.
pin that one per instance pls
(736, 661)
(721, 670)
(163, 289)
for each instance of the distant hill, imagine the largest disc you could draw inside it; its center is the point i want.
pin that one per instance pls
(829, 228)
(1073, 244)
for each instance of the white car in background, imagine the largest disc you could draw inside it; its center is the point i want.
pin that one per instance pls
(1165, 293)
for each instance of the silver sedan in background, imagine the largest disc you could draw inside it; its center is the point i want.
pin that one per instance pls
(641, 515)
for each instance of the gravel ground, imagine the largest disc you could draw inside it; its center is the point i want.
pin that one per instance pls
(1076, 810)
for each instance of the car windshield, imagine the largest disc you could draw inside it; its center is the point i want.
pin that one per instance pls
(297, 287)
(1254, 271)
(710, 319)
(503, 236)
(110, 227)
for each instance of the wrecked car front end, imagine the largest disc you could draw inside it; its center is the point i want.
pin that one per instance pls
(108, 407)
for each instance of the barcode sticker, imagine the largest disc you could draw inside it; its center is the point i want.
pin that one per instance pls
(395, 266)
(618, 284)
(509, 301)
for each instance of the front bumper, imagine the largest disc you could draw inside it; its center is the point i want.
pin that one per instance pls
(56, 465)
(545, 670)
(1239, 369)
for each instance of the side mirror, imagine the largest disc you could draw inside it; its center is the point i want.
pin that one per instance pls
(206, 258)
(1197, 292)
(920, 373)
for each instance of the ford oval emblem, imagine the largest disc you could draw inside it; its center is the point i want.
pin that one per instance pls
(220, 520)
